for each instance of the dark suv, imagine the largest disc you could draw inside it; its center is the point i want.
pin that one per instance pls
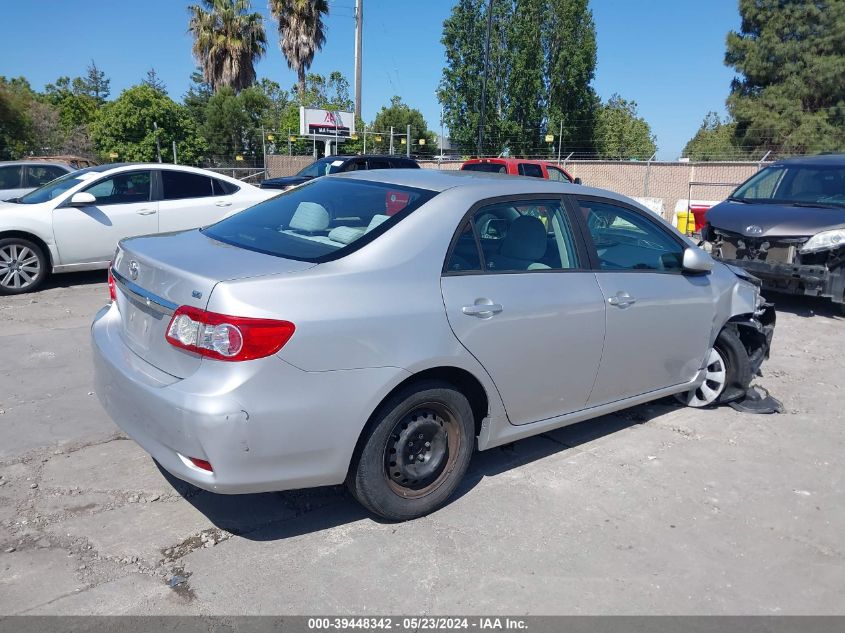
(786, 225)
(337, 164)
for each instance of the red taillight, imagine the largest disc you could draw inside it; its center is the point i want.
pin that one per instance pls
(227, 337)
(112, 288)
(201, 464)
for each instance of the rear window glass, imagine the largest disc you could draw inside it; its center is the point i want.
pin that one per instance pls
(322, 220)
(493, 168)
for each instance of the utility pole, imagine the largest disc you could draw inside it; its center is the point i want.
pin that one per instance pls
(264, 150)
(391, 140)
(359, 27)
(158, 145)
(408, 141)
(175, 159)
(484, 79)
(559, 141)
(365, 138)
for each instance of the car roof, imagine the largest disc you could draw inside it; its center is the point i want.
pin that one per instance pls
(510, 160)
(57, 163)
(817, 159)
(351, 156)
(483, 184)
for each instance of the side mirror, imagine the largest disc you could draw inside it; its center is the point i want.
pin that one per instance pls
(697, 261)
(577, 181)
(82, 199)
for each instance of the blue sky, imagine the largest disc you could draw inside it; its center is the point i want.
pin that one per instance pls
(664, 54)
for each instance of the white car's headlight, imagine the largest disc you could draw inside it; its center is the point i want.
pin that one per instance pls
(824, 241)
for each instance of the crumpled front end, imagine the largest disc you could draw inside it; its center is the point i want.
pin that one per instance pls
(780, 263)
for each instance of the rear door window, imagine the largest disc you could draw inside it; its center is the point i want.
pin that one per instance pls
(531, 170)
(10, 177)
(37, 175)
(378, 163)
(223, 188)
(178, 185)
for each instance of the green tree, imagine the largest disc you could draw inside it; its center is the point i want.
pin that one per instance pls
(76, 108)
(714, 140)
(228, 40)
(196, 99)
(526, 95)
(15, 127)
(154, 81)
(95, 84)
(464, 34)
(233, 122)
(789, 96)
(302, 33)
(621, 134)
(570, 48)
(399, 115)
(127, 126)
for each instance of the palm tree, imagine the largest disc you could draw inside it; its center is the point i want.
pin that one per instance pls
(301, 33)
(227, 42)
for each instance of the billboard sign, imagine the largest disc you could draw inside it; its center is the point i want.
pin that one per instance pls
(326, 123)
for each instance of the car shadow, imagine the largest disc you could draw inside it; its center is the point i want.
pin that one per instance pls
(281, 515)
(804, 306)
(69, 280)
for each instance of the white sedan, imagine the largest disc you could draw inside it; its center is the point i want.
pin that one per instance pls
(75, 222)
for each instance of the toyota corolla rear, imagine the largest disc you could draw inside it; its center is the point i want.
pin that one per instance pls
(190, 353)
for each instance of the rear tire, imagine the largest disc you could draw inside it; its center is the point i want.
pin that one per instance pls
(23, 266)
(728, 374)
(415, 452)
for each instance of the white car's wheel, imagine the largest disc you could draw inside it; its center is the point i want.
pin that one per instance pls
(23, 266)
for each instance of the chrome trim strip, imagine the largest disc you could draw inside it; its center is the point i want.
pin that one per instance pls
(145, 297)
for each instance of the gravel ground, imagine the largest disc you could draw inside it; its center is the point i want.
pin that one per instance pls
(656, 509)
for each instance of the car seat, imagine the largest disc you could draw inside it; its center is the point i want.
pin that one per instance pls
(522, 247)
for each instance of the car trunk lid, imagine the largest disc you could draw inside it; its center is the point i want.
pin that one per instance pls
(155, 275)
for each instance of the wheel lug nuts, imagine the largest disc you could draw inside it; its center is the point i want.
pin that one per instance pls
(421, 436)
(428, 444)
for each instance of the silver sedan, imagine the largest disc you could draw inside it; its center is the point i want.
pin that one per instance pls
(376, 328)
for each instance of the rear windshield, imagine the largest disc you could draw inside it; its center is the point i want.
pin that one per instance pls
(322, 220)
(493, 168)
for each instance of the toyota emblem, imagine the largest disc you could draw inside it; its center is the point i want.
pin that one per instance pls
(753, 229)
(133, 269)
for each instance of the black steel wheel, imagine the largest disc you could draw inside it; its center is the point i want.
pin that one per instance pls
(414, 452)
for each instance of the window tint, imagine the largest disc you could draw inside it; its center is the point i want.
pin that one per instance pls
(179, 184)
(524, 236)
(10, 177)
(37, 175)
(625, 240)
(464, 256)
(355, 165)
(124, 188)
(556, 174)
(223, 188)
(529, 169)
(493, 168)
(313, 221)
(378, 163)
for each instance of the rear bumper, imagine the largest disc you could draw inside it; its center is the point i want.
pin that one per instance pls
(812, 280)
(264, 425)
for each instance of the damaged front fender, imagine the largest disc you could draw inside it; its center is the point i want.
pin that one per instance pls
(756, 330)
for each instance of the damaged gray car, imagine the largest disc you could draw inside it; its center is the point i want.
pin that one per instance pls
(786, 226)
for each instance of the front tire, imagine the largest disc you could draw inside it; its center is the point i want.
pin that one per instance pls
(415, 452)
(23, 266)
(728, 374)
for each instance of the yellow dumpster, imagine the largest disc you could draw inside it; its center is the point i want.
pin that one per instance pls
(686, 222)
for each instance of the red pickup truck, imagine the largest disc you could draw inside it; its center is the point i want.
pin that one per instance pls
(520, 167)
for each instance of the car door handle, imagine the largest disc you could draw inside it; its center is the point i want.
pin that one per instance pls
(621, 300)
(482, 309)
(223, 203)
(147, 212)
